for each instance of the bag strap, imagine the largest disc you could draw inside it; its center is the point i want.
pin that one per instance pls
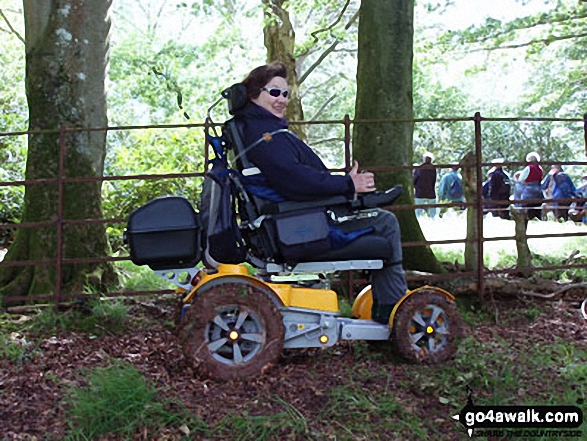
(266, 137)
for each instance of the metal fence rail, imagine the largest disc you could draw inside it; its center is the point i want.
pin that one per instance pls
(61, 179)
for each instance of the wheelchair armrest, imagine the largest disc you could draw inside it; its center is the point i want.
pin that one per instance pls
(362, 202)
(289, 206)
(379, 198)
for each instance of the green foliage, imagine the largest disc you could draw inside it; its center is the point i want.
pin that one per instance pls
(575, 275)
(350, 409)
(498, 373)
(92, 316)
(151, 152)
(563, 20)
(243, 427)
(138, 278)
(552, 41)
(119, 401)
(11, 349)
(13, 117)
(448, 255)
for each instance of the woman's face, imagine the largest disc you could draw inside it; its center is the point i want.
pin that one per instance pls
(274, 104)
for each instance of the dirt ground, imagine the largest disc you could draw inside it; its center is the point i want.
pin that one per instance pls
(32, 391)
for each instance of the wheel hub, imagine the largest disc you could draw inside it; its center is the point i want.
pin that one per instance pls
(235, 336)
(428, 329)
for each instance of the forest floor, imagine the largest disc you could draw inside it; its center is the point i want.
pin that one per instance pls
(516, 352)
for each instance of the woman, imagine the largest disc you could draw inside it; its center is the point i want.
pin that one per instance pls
(295, 172)
(531, 179)
(558, 185)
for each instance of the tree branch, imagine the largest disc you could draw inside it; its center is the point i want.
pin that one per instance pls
(545, 41)
(322, 107)
(319, 31)
(328, 50)
(14, 31)
(556, 292)
(325, 140)
(543, 20)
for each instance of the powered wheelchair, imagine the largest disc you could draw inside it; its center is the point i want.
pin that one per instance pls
(253, 273)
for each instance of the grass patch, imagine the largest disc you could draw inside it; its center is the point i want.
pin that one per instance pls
(118, 400)
(502, 254)
(290, 423)
(139, 278)
(502, 373)
(12, 349)
(94, 316)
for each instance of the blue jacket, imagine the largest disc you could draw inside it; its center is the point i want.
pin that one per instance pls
(289, 165)
(444, 193)
(563, 186)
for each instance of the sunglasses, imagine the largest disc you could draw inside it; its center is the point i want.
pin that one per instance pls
(275, 92)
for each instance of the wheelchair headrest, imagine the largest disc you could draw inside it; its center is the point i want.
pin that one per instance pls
(236, 95)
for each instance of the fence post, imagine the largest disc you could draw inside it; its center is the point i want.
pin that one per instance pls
(59, 220)
(347, 142)
(479, 159)
(207, 125)
(347, 166)
(585, 131)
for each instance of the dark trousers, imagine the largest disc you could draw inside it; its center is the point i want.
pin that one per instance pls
(389, 283)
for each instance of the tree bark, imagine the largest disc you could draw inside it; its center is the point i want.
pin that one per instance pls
(280, 39)
(66, 60)
(385, 91)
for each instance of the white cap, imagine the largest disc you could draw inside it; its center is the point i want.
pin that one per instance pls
(498, 161)
(531, 155)
(428, 155)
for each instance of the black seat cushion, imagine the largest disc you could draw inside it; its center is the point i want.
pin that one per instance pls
(368, 247)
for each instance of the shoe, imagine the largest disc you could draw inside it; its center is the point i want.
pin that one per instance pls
(381, 313)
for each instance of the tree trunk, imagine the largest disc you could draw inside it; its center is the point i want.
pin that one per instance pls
(280, 39)
(385, 90)
(66, 59)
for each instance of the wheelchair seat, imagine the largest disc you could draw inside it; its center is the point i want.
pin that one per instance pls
(368, 247)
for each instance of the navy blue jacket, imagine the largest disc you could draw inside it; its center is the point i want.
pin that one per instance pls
(425, 181)
(289, 165)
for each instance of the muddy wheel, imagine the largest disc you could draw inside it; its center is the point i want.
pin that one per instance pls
(177, 315)
(426, 328)
(232, 330)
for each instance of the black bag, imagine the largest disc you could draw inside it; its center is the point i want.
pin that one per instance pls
(302, 234)
(164, 234)
(222, 236)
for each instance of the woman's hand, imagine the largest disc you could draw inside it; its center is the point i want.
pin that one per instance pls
(364, 182)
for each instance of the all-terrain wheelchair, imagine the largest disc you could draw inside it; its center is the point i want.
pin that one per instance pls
(253, 272)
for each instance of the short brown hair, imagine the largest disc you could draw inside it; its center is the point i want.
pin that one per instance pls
(261, 75)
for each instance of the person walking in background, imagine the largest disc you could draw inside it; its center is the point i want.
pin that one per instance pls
(558, 185)
(517, 194)
(498, 189)
(531, 179)
(425, 186)
(578, 209)
(451, 186)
